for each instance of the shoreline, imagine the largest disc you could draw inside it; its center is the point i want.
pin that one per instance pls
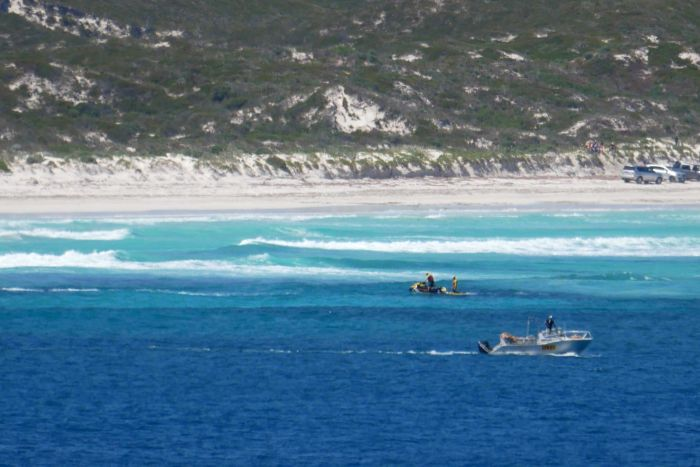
(245, 196)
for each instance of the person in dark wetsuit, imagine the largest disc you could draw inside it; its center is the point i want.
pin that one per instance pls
(549, 324)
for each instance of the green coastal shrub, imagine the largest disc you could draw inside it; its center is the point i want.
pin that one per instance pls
(87, 159)
(4, 167)
(422, 64)
(278, 163)
(35, 159)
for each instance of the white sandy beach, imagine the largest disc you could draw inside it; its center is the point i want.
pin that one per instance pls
(244, 194)
(178, 183)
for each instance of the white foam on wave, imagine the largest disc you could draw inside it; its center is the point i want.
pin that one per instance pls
(214, 294)
(210, 218)
(74, 290)
(189, 293)
(179, 349)
(566, 215)
(542, 246)
(8, 234)
(54, 290)
(109, 260)
(203, 294)
(93, 235)
(69, 259)
(261, 258)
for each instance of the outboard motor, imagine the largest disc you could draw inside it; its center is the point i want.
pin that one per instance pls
(484, 347)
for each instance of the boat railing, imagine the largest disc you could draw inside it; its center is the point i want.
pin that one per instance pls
(558, 333)
(578, 334)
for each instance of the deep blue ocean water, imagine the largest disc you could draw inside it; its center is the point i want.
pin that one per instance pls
(288, 339)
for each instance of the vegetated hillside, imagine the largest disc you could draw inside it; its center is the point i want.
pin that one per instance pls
(204, 77)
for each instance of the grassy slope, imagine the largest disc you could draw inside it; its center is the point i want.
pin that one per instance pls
(235, 57)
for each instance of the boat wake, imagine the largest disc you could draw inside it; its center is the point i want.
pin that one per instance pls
(272, 350)
(430, 353)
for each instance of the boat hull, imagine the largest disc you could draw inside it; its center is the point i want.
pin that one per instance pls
(416, 289)
(560, 347)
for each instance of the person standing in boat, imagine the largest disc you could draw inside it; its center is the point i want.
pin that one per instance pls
(429, 281)
(454, 284)
(549, 324)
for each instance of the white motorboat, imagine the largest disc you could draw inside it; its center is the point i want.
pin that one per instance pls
(556, 341)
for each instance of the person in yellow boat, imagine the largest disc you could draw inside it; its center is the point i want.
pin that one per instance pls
(454, 284)
(429, 281)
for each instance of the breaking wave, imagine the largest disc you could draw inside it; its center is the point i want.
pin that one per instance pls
(54, 290)
(213, 218)
(74, 290)
(191, 294)
(110, 260)
(95, 235)
(612, 276)
(69, 259)
(19, 290)
(543, 246)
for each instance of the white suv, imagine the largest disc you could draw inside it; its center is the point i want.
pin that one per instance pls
(667, 174)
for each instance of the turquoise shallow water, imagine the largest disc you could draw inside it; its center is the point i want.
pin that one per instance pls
(292, 338)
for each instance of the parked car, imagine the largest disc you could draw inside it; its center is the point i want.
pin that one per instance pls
(669, 175)
(690, 172)
(640, 175)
